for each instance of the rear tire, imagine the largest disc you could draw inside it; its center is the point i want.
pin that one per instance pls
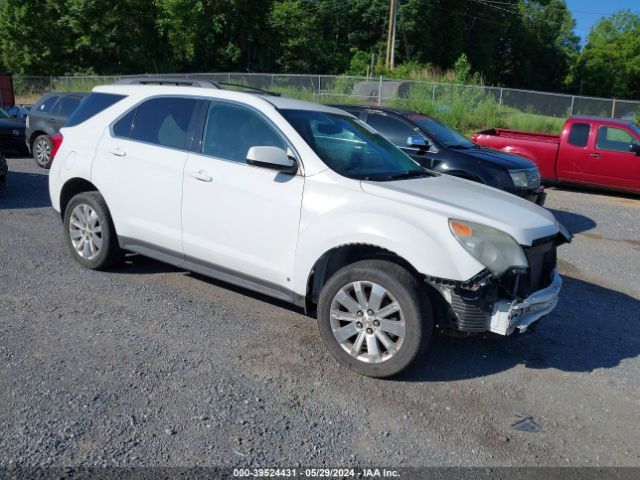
(41, 150)
(375, 318)
(89, 232)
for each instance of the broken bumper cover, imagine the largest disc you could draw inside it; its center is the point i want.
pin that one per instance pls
(508, 316)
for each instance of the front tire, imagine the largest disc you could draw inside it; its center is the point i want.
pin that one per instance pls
(41, 149)
(375, 318)
(89, 232)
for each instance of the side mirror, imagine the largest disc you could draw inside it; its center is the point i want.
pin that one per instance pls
(272, 157)
(417, 141)
(635, 148)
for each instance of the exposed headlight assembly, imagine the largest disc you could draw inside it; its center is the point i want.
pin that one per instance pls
(519, 178)
(495, 249)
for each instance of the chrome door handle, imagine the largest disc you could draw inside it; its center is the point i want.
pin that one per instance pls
(118, 152)
(201, 175)
(595, 155)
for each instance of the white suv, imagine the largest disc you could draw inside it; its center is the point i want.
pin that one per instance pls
(307, 204)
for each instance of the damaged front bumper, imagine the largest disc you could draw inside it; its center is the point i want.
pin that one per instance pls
(509, 316)
(480, 305)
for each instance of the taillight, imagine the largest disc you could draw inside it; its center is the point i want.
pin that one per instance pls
(56, 141)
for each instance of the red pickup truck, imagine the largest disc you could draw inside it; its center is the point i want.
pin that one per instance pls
(602, 152)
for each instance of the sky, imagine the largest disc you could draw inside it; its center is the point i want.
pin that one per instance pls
(588, 12)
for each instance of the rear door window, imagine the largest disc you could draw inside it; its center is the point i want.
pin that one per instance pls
(579, 134)
(165, 121)
(91, 106)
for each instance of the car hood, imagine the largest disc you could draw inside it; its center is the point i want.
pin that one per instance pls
(506, 160)
(465, 200)
(13, 123)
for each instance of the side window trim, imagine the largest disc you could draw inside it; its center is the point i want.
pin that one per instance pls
(262, 116)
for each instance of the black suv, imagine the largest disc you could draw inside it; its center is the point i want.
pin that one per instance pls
(440, 148)
(47, 117)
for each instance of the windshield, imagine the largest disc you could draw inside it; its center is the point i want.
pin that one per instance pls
(4, 114)
(441, 132)
(636, 130)
(351, 148)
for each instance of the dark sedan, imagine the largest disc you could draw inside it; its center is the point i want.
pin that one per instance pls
(11, 133)
(440, 148)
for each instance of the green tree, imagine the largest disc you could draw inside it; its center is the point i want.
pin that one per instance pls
(539, 47)
(609, 64)
(205, 35)
(33, 40)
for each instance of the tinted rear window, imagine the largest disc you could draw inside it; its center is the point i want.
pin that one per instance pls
(164, 121)
(91, 106)
(122, 128)
(67, 106)
(579, 134)
(47, 105)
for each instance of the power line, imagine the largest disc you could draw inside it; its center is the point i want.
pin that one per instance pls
(486, 4)
(547, 7)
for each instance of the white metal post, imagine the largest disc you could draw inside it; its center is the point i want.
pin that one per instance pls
(613, 109)
(500, 105)
(573, 101)
(380, 91)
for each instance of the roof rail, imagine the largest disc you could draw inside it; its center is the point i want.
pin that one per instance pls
(176, 81)
(250, 89)
(191, 82)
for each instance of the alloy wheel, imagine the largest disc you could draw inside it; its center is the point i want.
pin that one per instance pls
(43, 152)
(85, 231)
(367, 321)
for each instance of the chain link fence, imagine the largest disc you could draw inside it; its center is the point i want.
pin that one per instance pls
(438, 97)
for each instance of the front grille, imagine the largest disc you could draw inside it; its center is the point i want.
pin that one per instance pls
(533, 178)
(470, 314)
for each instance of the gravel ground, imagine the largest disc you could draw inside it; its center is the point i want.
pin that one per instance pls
(151, 365)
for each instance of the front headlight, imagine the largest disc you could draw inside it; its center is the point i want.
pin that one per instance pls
(519, 178)
(495, 249)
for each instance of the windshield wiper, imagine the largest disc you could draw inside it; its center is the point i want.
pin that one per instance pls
(409, 174)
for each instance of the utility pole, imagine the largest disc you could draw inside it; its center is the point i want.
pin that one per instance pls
(391, 35)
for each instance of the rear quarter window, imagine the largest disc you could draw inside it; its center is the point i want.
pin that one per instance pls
(91, 106)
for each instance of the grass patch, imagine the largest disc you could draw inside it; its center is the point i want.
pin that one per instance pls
(466, 108)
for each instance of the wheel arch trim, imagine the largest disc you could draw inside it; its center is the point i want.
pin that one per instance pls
(71, 188)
